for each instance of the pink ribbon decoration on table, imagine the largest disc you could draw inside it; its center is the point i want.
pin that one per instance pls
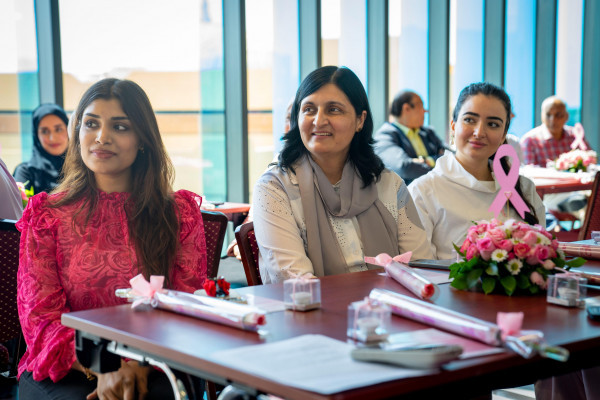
(579, 134)
(383, 259)
(507, 192)
(510, 323)
(146, 290)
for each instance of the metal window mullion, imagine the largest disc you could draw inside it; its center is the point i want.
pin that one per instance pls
(590, 77)
(494, 36)
(439, 11)
(377, 59)
(545, 54)
(309, 35)
(49, 52)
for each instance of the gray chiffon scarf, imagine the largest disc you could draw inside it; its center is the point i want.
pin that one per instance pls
(378, 228)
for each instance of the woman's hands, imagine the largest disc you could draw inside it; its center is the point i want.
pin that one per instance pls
(123, 384)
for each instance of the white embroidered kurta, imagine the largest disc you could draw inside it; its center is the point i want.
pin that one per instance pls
(281, 231)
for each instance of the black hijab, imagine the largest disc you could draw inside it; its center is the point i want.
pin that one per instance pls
(43, 169)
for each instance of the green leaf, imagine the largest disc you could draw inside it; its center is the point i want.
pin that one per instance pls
(492, 269)
(458, 250)
(509, 283)
(488, 284)
(460, 283)
(559, 262)
(533, 289)
(523, 282)
(473, 277)
(576, 262)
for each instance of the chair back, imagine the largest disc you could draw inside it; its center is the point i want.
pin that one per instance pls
(10, 327)
(591, 221)
(244, 235)
(215, 226)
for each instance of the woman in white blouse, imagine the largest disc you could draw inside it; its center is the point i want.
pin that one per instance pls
(329, 201)
(461, 187)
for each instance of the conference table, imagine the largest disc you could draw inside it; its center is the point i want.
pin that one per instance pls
(187, 343)
(548, 180)
(235, 212)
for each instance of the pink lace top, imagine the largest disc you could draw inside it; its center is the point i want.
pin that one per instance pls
(63, 270)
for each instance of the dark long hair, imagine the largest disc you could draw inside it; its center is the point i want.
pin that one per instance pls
(489, 89)
(151, 209)
(368, 165)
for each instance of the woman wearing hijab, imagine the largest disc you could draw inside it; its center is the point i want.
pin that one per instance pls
(50, 141)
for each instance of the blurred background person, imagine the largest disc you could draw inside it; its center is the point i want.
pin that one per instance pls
(11, 205)
(405, 145)
(50, 141)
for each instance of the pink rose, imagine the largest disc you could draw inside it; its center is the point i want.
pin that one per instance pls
(466, 244)
(472, 252)
(548, 264)
(519, 233)
(496, 235)
(538, 279)
(546, 233)
(521, 250)
(530, 238)
(505, 244)
(541, 253)
(486, 254)
(554, 244)
(485, 244)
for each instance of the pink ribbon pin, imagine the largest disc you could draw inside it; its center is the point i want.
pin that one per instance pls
(579, 134)
(146, 290)
(507, 192)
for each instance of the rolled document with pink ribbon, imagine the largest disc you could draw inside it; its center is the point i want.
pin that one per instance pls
(212, 309)
(430, 314)
(405, 275)
(580, 250)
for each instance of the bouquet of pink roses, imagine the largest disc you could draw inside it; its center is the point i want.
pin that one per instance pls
(509, 256)
(575, 160)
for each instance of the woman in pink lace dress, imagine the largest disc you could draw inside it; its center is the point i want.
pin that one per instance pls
(113, 216)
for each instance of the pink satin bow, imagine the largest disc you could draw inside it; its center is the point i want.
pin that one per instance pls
(579, 134)
(507, 192)
(146, 290)
(384, 259)
(509, 323)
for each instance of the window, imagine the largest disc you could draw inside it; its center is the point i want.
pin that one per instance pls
(273, 77)
(408, 49)
(173, 50)
(19, 89)
(519, 63)
(466, 45)
(569, 47)
(344, 35)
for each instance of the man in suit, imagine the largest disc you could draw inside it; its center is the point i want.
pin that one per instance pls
(405, 145)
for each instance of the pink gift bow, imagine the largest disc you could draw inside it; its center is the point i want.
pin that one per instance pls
(383, 259)
(579, 134)
(368, 304)
(510, 323)
(146, 290)
(507, 192)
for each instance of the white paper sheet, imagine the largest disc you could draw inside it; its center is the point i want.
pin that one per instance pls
(311, 362)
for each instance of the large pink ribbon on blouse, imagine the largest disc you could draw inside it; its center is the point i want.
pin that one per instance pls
(507, 183)
(579, 134)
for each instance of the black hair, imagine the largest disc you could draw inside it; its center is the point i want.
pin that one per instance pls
(362, 156)
(489, 89)
(402, 98)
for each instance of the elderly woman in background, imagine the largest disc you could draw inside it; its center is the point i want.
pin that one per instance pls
(50, 142)
(329, 201)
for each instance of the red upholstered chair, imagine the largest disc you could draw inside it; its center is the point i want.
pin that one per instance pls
(591, 221)
(244, 234)
(215, 226)
(10, 327)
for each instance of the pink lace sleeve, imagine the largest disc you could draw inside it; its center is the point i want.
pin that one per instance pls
(40, 297)
(190, 268)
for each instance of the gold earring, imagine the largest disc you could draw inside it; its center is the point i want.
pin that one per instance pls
(142, 149)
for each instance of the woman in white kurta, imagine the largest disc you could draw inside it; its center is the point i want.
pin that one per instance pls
(462, 186)
(329, 201)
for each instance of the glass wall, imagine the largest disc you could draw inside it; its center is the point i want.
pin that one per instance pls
(466, 45)
(519, 63)
(408, 29)
(179, 66)
(19, 89)
(569, 47)
(344, 35)
(273, 77)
